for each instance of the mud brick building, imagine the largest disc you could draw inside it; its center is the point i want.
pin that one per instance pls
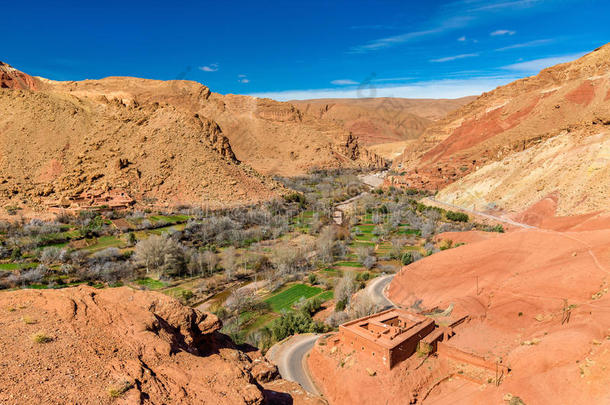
(390, 336)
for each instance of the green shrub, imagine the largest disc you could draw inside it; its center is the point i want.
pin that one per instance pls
(407, 258)
(456, 216)
(295, 322)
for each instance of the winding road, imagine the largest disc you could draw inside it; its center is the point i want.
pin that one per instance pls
(290, 356)
(376, 290)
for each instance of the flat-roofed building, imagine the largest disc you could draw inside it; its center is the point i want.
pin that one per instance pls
(390, 336)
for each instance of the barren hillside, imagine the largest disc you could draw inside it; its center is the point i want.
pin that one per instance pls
(526, 132)
(382, 120)
(82, 345)
(273, 137)
(54, 145)
(537, 302)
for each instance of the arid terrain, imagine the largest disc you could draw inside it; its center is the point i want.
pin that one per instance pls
(163, 243)
(170, 142)
(521, 142)
(121, 345)
(382, 120)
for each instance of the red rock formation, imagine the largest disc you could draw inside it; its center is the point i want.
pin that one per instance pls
(82, 345)
(11, 78)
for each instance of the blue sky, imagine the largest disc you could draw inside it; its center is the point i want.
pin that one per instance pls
(287, 50)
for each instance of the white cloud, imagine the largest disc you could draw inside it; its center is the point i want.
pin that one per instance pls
(210, 68)
(529, 44)
(243, 79)
(536, 65)
(502, 32)
(492, 6)
(343, 82)
(450, 58)
(462, 38)
(393, 79)
(449, 88)
(382, 43)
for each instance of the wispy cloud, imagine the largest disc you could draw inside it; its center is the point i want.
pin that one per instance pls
(382, 43)
(343, 82)
(536, 65)
(243, 79)
(529, 44)
(455, 57)
(502, 32)
(450, 88)
(493, 6)
(209, 68)
(373, 27)
(392, 79)
(462, 38)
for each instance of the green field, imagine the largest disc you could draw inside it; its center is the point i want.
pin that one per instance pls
(170, 218)
(16, 266)
(326, 295)
(348, 264)
(151, 283)
(104, 242)
(366, 228)
(287, 298)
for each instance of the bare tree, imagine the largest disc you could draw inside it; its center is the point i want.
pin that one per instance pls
(229, 261)
(363, 305)
(346, 287)
(211, 260)
(397, 246)
(151, 252)
(325, 243)
(50, 255)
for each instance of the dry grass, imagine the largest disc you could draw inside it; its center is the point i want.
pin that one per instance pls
(29, 320)
(41, 337)
(119, 389)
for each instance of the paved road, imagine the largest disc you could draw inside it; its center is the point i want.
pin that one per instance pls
(376, 289)
(290, 361)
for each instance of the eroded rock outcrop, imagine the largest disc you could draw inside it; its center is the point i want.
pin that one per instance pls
(11, 78)
(83, 345)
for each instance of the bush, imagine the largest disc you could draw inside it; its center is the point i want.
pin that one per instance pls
(41, 337)
(407, 259)
(16, 254)
(456, 216)
(340, 305)
(310, 306)
(295, 322)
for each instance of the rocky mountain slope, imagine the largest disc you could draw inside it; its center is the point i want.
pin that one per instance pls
(382, 120)
(273, 137)
(167, 142)
(118, 345)
(54, 145)
(536, 136)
